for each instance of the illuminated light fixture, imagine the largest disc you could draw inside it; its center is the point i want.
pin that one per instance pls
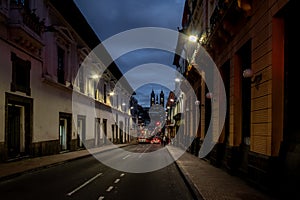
(197, 102)
(190, 66)
(244, 4)
(193, 38)
(248, 73)
(209, 95)
(177, 80)
(202, 39)
(95, 76)
(172, 100)
(111, 93)
(123, 104)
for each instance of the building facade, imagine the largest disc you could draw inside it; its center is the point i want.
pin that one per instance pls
(252, 43)
(43, 45)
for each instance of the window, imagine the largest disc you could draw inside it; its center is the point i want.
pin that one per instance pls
(81, 80)
(96, 91)
(60, 65)
(117, 103)
(20, 75)
(90, 87)
(104, 93)
(20, 3)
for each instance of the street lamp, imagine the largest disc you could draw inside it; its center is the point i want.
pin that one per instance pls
(248, 73)
(197, 102)
(193, 38)
(177, 80)
(95, 76)
(209, 95)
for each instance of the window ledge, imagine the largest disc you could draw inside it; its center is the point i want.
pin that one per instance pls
(50, 81)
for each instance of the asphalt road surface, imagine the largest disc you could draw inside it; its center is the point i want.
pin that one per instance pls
(143, 171)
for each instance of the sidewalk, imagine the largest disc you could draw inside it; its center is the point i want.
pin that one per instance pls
(12, 169)
(213, 183)
(207, 181)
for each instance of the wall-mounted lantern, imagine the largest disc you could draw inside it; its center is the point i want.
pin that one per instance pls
(197, 102)
(209, 95)
(248, 73)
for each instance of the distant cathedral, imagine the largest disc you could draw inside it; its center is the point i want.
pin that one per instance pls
(154, 99)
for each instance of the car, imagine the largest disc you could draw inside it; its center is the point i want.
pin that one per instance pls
(143, 139)
(156, 140)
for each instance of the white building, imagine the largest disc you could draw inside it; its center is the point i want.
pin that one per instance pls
(42, 45)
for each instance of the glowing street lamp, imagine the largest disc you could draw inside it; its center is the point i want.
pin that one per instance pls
(95, 76)
(177, 80)
(193, 38)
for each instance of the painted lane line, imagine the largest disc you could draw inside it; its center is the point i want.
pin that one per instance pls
(126, 156)
(143, 152)
(117, 180)
(101, 198)
(122, 175)
(81, 186)
(109, 188)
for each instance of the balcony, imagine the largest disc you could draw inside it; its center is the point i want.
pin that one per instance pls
(3, 11)
(25, 28)
(226, 20)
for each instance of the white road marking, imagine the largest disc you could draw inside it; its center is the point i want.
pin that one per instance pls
(117, 180)
(81, 186)
(122, 175)
(126, 156)
(144, 152)
(109, 188)
(101, 197)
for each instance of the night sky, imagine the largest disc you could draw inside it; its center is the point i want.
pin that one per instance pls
(111, 17)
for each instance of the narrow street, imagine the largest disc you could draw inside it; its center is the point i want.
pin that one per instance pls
(87, 178)
(137, 99)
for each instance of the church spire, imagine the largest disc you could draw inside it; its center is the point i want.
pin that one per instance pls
(162, 98)
(152, 98)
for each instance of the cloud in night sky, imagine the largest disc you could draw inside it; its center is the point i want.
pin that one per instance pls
(110, 17)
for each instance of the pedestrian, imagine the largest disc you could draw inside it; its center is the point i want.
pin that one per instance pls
(164, 140)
